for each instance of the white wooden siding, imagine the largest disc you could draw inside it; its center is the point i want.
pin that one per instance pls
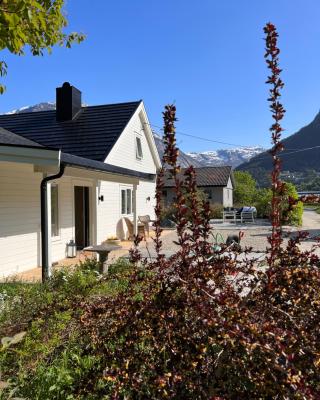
(108, 211)
(123, 153)
(109, 218)
(145, 206)
(19, 217)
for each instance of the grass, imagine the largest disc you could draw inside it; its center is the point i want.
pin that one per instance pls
(48, 360)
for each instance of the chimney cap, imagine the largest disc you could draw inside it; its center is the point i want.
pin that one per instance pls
(66, 84)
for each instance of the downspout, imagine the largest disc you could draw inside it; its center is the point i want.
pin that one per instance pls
(44, 222)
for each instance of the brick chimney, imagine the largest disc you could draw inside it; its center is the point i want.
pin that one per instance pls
(68, 102)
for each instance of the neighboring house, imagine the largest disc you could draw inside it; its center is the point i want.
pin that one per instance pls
(95, 165)
(216, 182)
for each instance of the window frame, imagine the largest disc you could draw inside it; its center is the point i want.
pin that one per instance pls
(208, 192)
(127, 206)
(139, 154)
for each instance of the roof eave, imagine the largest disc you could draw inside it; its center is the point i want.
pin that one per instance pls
(30, 155)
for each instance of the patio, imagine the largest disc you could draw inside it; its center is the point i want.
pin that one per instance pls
(255, 236)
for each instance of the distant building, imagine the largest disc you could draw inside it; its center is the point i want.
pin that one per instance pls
(216, 182)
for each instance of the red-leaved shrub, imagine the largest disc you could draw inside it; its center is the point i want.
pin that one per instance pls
(208, 323)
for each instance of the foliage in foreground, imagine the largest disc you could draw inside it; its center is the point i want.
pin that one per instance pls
(37, 366)
(38, 24)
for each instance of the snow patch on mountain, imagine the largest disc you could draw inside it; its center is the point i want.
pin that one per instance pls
(233, 157)
(37, 107)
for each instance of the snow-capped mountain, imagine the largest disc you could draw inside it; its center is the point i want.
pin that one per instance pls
(233, 157)
(184, 160)
(37, 107)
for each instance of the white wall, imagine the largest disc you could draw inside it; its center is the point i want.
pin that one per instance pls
(19, 217)
(109, 218)
(228, 194)
(146, 189)
(123, 153)
(108, 211)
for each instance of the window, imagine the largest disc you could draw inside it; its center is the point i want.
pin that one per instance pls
(139, 154)
(126, 201)
(208, 193)
(54, 211)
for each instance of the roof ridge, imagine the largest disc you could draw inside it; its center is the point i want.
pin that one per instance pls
(82, 107)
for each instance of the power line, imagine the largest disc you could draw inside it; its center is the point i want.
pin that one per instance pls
(238, 145)
(202, 138)
(209, 140)
(288, 153)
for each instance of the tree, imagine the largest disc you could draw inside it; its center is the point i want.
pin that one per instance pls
(291, 209)
(245, 188)
(38, 24)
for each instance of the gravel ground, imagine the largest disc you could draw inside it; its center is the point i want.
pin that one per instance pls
(255, 236)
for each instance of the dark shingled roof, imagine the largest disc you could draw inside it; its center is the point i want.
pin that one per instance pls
(206, 176)
(91, 134)
(8, 138)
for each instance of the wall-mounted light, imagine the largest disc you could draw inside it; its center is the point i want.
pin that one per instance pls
(101, 198)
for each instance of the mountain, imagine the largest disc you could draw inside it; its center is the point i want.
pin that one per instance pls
(37, 107)
(183, 159)
(233, 157)
(301, 153)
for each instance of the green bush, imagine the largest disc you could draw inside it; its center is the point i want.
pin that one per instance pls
(262, 202)
(245, 189)
(51, 360)
(291, 216)
(216, 210)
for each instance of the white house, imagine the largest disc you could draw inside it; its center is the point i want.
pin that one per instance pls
(72, 174)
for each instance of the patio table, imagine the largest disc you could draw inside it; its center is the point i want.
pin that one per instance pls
(103, 250)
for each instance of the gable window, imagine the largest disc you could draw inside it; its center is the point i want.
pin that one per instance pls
(54, 211)
(126, 201)
(139, 154)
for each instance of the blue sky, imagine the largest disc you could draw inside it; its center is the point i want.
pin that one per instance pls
(204, 55)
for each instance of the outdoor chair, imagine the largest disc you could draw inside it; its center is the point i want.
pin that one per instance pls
(145, 220)
(246, 214)
(130, 227)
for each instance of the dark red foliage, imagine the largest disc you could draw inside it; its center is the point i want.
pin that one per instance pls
(277, 110)
(210, 323)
